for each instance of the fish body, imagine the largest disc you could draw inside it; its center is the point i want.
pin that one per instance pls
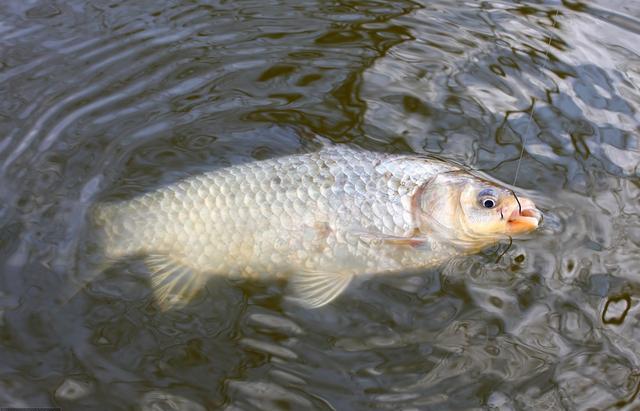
(317, 218)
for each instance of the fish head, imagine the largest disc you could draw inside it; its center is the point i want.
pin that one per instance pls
(476, 212)
(492, 210)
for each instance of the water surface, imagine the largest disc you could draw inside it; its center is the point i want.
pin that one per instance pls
(113, 98)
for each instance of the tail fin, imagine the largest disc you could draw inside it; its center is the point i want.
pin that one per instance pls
(96, 248)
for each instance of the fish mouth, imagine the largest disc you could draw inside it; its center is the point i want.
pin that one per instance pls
(525, 220)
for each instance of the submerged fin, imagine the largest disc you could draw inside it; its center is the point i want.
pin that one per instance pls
(314, 289)
(174, 284)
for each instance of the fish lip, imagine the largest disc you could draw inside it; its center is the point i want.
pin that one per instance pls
(525, 220)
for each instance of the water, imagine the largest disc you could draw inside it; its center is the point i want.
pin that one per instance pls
(114, 98)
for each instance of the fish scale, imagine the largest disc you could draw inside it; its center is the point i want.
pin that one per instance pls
(331, 214)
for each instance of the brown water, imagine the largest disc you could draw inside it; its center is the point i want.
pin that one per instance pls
(117, 97)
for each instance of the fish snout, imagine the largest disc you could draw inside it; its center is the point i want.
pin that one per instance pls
(524, 217)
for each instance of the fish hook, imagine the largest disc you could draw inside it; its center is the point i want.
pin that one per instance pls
(518, 200)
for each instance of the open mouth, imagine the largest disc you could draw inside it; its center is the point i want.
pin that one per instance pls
(525, 220)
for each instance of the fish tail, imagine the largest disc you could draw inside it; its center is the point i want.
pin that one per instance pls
(119, 232)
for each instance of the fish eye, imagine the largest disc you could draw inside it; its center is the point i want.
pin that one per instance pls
(488, 202)
(487, 192)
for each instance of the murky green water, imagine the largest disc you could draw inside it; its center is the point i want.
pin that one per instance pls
(114, 98)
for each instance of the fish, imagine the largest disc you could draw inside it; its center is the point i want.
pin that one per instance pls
(317, 219)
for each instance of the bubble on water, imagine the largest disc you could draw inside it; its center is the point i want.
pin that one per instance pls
(73, 389)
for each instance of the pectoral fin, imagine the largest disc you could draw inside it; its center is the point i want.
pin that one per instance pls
(314, 289)
(405, 241)
(174, 284)
(412, 238)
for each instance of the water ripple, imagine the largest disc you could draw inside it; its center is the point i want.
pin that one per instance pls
(110, 100)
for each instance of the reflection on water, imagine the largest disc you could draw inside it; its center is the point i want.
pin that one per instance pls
(111, 98)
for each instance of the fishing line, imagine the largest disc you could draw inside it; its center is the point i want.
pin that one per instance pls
(505, 250)
(533, 102)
